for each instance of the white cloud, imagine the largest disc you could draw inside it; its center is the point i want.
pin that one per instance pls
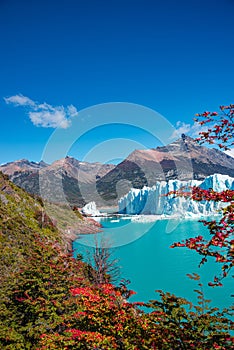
(230, 152)
(20, 100)
(188, 129)
(50, 119)
(72, 111)
(43, 114)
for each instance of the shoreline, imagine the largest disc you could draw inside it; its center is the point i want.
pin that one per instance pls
(153, 217)
(87, 226)
(91, 225)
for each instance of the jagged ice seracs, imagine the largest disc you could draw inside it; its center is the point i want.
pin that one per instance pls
(153, 200)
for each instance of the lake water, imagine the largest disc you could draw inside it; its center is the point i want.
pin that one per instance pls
(147, 261)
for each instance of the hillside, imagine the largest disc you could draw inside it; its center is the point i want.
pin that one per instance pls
(36, 270)
(49, 300)
(27, 215)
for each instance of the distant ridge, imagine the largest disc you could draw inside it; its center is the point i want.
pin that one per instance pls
(21, 165)
(78, 179)
(83, 182)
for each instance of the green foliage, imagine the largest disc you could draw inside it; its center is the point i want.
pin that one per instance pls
(189, 326)
(38, 295)
(48, 302)
(78, 214)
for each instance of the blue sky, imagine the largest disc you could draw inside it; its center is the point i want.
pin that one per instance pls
(59, 57)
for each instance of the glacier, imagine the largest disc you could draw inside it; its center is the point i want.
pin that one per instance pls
(152, 200)
(90, 209)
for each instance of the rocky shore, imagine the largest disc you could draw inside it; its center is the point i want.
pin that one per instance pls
(83, 227)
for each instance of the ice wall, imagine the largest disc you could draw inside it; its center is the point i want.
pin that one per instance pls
(152, 200)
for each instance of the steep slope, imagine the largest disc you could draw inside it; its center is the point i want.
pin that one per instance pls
(36, 271)
(20, 221)
(183, 159)
(23, 215)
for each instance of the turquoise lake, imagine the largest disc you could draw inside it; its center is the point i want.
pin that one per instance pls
(144, 256)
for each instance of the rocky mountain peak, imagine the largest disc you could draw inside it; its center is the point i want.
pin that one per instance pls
(183, 159)
(43, 164)
(83, 182)
(184, 143)
(21, 165)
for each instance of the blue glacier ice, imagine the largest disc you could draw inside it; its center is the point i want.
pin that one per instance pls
(90, 209)
(152, 200)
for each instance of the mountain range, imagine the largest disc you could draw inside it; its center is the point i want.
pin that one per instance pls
(183, 159)
(66, 179)
(78, 183)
